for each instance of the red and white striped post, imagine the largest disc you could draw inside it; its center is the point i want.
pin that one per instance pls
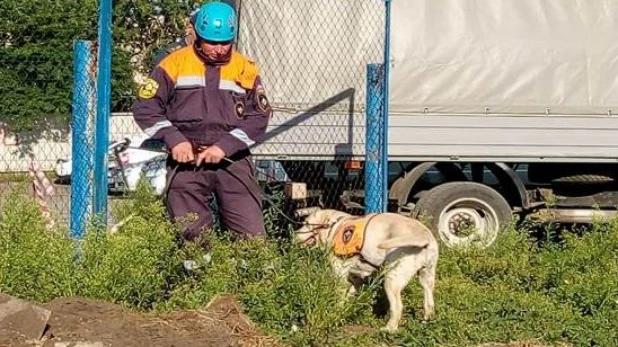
(42, 187)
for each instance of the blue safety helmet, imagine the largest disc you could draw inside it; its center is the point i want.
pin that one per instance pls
(216, 22)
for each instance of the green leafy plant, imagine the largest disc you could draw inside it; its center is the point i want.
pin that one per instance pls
(35, 263)
(36, 52)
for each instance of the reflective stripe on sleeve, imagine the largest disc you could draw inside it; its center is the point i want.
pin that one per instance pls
(151, 131)
(242, 136)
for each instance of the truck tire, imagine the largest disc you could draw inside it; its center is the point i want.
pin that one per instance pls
(572, 173)
(451, 210)
(584, 179)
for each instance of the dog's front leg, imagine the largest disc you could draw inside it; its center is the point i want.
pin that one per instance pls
(341, 271)
(355, 282)
(351, 289)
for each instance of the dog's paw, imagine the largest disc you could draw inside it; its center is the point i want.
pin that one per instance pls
(351, 291)
(429, 316)
(389, 328)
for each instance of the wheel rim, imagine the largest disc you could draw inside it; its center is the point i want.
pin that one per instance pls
(468, 221)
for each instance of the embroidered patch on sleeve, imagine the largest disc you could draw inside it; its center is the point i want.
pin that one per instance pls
(239, 107)
(148, 89)
(262, 101)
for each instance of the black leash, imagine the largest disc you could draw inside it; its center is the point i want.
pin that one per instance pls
(264, 196)
(122, 146)
(253, 194)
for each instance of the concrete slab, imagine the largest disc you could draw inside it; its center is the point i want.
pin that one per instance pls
(22, 317)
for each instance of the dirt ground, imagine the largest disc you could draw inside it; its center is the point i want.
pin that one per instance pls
(220, 324)
(79, 322)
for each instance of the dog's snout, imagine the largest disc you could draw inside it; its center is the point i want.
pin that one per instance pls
(301, 230)
(311, 242)
(306, 211)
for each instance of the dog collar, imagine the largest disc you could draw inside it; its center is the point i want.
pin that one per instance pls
(315, 231)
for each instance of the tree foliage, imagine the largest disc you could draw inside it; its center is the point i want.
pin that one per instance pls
(36, 52)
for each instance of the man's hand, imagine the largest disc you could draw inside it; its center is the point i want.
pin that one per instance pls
(183, 152)
(212, 154)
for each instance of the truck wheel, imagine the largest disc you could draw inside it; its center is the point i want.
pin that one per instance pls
(463, 214)
(587, 179)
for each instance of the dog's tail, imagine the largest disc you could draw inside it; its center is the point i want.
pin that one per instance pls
(412, 240)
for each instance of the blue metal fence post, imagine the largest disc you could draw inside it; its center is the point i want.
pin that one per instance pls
(373, 140)
(103, 109)
(385, 101)
(81, 149)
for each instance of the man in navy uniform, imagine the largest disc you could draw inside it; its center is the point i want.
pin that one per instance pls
(206, 102)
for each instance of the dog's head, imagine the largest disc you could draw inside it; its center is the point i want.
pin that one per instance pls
(317, 227)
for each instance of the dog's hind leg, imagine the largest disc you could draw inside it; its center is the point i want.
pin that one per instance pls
(393, 286)
(394, 282)
(396, 279)
(427, 279)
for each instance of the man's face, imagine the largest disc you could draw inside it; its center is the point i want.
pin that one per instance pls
(216, 50)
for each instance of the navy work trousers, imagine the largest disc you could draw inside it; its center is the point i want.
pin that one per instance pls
(239, 197)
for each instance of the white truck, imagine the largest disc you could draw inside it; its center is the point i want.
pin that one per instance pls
(523, 93)
(496, 108)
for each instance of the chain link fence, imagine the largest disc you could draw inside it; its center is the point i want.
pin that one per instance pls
(313, 57)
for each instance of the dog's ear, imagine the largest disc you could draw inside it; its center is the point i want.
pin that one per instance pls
(315, 217)
(323, 217)
(312, 217)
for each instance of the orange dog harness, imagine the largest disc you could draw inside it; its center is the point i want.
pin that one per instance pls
(350, 236)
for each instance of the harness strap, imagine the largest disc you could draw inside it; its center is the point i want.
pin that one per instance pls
(364, 231)
(361, 258)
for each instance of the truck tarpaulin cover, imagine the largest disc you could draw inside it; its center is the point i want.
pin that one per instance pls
(312, 50)
(510, 56)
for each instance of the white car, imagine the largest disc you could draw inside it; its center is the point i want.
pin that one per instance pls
(135, 158)
(64, 167)
(146, 160)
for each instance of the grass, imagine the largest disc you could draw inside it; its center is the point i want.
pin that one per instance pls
(557, 288)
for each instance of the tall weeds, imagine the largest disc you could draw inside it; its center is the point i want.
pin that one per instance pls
(564, 290)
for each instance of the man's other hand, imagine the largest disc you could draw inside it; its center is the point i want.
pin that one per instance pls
(212, 154)
(183, 152)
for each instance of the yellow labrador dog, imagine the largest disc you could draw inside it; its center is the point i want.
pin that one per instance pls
(359, 246)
